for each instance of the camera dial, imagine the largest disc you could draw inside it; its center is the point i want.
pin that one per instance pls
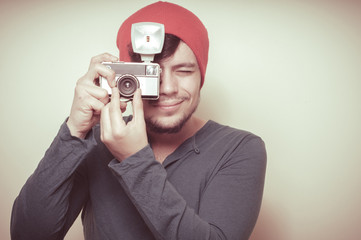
(127, 85)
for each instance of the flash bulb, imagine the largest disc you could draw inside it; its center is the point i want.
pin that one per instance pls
(147, 39)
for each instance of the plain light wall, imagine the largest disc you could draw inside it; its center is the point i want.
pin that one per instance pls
(289, 71)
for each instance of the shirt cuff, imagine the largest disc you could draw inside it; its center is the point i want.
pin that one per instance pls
(140, 160)
(64, 135)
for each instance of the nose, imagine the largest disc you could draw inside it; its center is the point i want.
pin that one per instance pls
(168, 83)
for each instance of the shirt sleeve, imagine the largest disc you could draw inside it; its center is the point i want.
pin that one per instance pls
(229, 206)
(54, 194)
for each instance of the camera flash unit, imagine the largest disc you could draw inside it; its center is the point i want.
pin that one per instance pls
(147, 39)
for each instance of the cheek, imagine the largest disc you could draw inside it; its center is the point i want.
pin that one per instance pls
(146, 107)
(191, 85)
(197, 97)
(195, 93)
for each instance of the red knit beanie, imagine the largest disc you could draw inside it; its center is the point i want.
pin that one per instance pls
(177, 21)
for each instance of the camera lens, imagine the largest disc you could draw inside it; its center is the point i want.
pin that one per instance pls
(127, 85)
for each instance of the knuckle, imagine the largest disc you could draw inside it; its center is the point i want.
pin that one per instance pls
(81, 95)
(112, 74)
(81, 80)
(103, 93)
(108, 73)
(106, 54)
(77, 90)
(79, 84)
(99, 58)
(86, 98)
(97, 66)
(86, 79)
(118, 134)
(94, 60)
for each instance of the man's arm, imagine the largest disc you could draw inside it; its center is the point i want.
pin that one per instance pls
(229, 205)
(54, 194)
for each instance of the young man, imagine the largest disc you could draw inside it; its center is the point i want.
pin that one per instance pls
(161, 174)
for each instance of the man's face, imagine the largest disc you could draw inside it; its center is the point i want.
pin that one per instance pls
(179, 92)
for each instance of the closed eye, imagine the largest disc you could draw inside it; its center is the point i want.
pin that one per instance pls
(184, 72)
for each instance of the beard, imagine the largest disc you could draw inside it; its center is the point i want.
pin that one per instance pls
(157, 126)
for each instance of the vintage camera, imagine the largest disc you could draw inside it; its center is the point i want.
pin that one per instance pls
(130, 76)
(147, 40)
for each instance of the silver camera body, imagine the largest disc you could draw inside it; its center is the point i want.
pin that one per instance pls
(147, 40)
(130, 75)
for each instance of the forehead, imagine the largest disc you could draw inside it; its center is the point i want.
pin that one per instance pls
(183, 54)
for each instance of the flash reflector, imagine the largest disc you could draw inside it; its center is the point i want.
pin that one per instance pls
(147, 39)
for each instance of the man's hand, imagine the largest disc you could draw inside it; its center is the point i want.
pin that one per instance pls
(123, 139)
(89, 98)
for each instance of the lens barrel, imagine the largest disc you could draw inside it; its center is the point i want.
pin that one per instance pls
(127, 84)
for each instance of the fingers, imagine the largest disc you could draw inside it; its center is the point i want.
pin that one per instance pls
(95, 65)
(98, 93)
(111, 114)
(111, 121)
(97, 69)
(90, 99)
(118, 104)
(105, 124)
(95, 105)
(115, 112)
(123, 139)
(105, 57)
(138, 106)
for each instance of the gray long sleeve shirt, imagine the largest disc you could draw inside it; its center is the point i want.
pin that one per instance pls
(210, 187)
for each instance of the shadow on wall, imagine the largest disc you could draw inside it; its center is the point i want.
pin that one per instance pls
(270, 224)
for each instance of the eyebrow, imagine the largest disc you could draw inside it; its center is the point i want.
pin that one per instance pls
(186, 65)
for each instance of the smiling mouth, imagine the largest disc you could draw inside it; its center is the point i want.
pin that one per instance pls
(167, 104)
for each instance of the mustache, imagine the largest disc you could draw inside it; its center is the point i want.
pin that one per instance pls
(170, 99)
(167, 100)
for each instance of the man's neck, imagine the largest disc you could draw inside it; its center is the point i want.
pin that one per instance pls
(164, 144)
